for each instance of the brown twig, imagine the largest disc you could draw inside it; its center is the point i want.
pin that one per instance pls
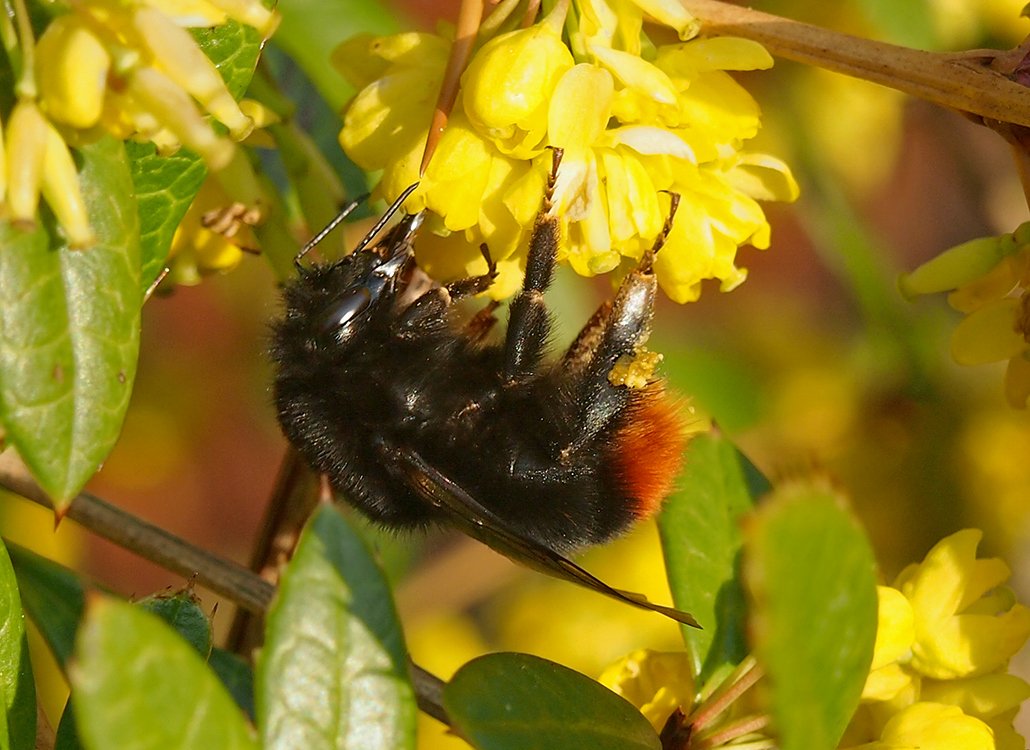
(963, 81)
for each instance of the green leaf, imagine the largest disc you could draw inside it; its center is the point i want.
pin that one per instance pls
(237, 677)
(700, 532)
(810, 573)
(166, 185)
(138, 685)
(311, 30)
(333, 672)
(165, 188)
(16, 686)
(182, 611)
(53, 597)
(69, 331)
(517, 701)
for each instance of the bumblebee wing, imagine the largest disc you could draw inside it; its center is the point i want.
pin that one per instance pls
(471, 517)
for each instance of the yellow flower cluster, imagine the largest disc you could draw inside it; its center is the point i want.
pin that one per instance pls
(633, 121)
(947, 629)
(989, 280)
(127, 67)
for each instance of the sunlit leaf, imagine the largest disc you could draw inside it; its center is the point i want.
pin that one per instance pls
(69, 331)
(138, 685)
(700, 531)
(17, 689)
(810, 573)
(333, 672)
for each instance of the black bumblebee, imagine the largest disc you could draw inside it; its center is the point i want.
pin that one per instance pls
(416, 419)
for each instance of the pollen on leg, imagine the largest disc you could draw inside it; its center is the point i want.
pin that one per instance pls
(647, 450)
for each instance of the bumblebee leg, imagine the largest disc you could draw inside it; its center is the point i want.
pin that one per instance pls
(475, 284)
(482, 322)
(428, 311)
(615, 333)
(528, 320)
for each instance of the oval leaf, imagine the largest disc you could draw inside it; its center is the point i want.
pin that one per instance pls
(16, 686)
(138, 685)
(69, 331)
(67, 737)
(518, 701)
(54, 599)
(333, 672)
(700, 532)
(811, 575)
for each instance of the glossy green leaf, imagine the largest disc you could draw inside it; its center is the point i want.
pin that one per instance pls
(53, 597)
(700, 532)
(138, 686)
(69, 331)
(810, 573)
(16, 686)
(181, 610)
(517, 701)
(333, 672)
(165, 188)
(311, 30)
(166, 185)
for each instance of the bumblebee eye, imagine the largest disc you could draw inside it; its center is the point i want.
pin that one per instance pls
(348, 307)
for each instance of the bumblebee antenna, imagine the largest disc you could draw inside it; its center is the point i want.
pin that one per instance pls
(344, 213)
(394, 208)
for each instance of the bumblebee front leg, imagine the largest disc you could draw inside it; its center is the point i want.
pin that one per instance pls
(428, 310)
(528, 320)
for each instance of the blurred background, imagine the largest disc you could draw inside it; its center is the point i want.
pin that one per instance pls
(815, 364)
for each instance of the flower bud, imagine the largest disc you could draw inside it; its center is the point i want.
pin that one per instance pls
(26, 148)
(953, 268)
(508, 85)
(63, 193)
(71, 69)
(172, 108)
(181, 59)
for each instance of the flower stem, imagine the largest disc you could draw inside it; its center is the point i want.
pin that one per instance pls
(963, 81)
(736, 684)
(469, 17)
(26, 84)
(739, 728)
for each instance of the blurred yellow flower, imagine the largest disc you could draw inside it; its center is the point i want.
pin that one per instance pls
(656, 682)
(965, 623)
(212, 236)
(932, 726)
(633, 121)
(989, 280)
(946, 631)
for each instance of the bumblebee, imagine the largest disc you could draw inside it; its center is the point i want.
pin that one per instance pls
(416, 418)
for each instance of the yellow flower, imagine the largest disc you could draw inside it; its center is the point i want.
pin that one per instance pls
(895, 632)
(965, 624)
(510, 81)
(211, 238)
(989, 281)
(656, 682)
(632, 122)
(932, 726)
